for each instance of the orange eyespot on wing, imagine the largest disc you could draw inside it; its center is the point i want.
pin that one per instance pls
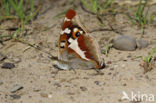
(76, 32)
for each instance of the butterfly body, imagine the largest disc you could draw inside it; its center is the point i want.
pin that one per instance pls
(76, 47)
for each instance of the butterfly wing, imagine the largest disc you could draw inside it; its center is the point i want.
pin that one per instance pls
(76, 45)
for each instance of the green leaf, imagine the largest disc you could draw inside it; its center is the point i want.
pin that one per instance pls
(85, 4)
(152, 17)
(150, 55)
(13, 4)
(32, 6)
(94, 6)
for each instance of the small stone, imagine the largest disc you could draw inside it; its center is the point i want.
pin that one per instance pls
(15, 96)
(1, 82)
(97, 82)
(7, 65)
(16, 60)
(142, 43)
(83, 88)
(141, 76)
(85, 78)
(57, 85)
(125, 43)
(16, 88)
(49, 96)
(119, 100)
(115, 66)
(45, 95)
(123, 65)
(30, 96)
(109, 62)
(129, 56)
(124, 84)
(109, 73)
(36, 89)
(146, 76)
(111, 68)
(71, 93)
(104, 83)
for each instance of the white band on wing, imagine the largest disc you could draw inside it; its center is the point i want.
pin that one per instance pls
(74, 45)
(67, 31)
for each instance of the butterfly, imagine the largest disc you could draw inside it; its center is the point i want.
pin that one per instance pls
(76, 47)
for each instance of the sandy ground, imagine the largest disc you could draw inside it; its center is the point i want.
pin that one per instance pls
(34, 71)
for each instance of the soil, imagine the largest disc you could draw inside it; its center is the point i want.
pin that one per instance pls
(42, 83)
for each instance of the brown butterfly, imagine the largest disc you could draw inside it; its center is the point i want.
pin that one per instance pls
(76, 47)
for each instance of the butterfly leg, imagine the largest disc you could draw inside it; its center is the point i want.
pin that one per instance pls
(99, 72)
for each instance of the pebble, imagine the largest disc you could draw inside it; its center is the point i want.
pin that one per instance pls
(16, 60)
(36, 89)
(142, 43)
(109, 62)
(45, 95)
(115, 66)
(125, 43)
(15, 96)
(16, 88)
(83, 88)
(146, 76)
(123, 65)
(111, 68)
(96, 82)
(109, 73)
(7, 65)
(1, 82)
(123, 84)
(49, 96)
(57, 84)
(71, 93)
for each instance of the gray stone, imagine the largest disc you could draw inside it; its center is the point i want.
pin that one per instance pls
(125, 42)
(96, 82)
(16, 60)
(16, 88)
(36, 89)
(15, 96)
(44, 94)
(142, 43)
(1, 82)
(7, 65)
(83, 88)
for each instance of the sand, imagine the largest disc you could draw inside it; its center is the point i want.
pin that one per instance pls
(41, 84)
